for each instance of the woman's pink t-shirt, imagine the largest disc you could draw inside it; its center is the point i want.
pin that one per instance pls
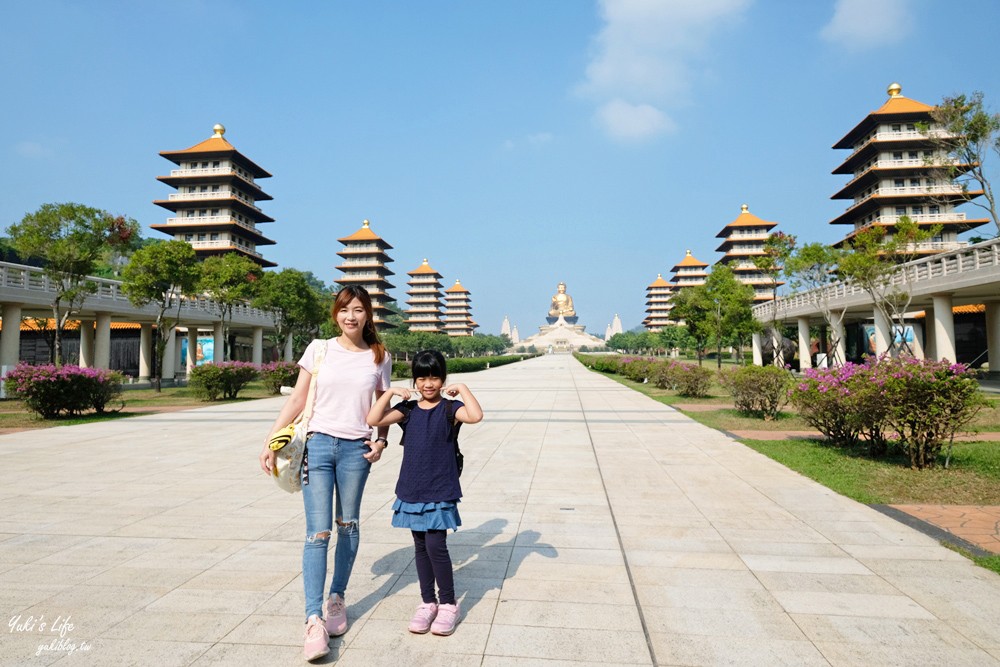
(345, 387)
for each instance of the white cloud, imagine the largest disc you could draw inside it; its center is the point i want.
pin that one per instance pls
(645, 58)
(858, 25)
(536, 139)
(633, 122)
(33, 150)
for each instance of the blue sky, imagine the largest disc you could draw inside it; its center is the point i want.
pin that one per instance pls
(514, 143)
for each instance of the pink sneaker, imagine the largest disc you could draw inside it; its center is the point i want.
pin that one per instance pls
(423, 617)
(446, 619)
(317, 641)
(336, 615)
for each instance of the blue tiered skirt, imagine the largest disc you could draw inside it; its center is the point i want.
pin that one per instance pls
(426, 516)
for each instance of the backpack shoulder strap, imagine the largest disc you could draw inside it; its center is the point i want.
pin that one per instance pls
(449, 411)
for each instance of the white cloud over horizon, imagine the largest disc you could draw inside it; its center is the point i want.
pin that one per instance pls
(860, 25)
(644, 61)
(33, 150)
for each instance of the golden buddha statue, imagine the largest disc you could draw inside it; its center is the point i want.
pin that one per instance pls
(562, 305)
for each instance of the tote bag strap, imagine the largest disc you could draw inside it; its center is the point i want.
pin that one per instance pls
(318, 355)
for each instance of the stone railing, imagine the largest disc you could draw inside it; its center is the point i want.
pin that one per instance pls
(927, 271)
(18, 281)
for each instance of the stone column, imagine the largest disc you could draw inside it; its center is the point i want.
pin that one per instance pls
(10, 338)
(192, 356)
(289, 349)
(258, 345)
(86, 343)
(993, 337)
(883, 333)
(758, 351)
(145, 352)
(219, 344)
(805, 351)
(102, 341)
(944, 328)
(169, 355)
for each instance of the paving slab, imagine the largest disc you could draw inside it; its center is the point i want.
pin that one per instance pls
(600, 528)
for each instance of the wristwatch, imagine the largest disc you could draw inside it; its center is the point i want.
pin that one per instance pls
(383, 440)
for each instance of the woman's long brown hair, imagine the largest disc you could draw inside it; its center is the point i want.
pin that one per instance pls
(368, 334)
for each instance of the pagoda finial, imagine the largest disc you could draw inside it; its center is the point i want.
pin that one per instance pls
(219, 130)
(659, 275)
(688, 253)
(744, 209)
(365, 224)
(894, 90)
(425, 261)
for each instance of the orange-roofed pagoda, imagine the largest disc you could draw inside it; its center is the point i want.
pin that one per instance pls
(688, 272)
(424, 313)
(215, 205)
(895, 171)
(458, 311)
(743, 239)
(657, 304)
(364, 264)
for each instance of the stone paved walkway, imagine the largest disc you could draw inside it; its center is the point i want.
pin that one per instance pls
(600, 528)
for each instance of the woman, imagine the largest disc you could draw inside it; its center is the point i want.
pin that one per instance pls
(339, 453)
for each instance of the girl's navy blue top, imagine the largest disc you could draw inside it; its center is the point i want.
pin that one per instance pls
(428, 473)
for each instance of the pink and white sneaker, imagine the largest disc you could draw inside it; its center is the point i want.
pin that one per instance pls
(336, 615)
(423, 617)
(446, 619)
(317, 643)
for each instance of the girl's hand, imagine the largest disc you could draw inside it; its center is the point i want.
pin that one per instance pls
(402, 392)
(267, 459)
(453, 390)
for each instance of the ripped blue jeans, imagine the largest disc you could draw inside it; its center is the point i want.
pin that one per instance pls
(337, 467)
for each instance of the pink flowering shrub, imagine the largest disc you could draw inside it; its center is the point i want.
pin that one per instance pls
(919, 403)
(278, 374)
(928, 401)
(226, 379)
(842, 404)
(758, 391)
(70, 390)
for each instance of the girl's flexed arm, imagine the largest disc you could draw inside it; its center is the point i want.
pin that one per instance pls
(471, 412)
(380, 415)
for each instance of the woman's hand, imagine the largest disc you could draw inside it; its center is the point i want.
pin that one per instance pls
(375, 449)
(268, 459)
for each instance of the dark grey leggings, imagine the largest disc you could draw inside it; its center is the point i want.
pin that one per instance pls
(434, 564)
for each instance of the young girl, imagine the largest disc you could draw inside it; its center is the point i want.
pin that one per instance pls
(428, 492)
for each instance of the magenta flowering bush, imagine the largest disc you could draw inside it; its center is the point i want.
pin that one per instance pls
(278, 374)
(71, 390)
(915, 404)
(927, 403)
(686, 379)
(225, 379)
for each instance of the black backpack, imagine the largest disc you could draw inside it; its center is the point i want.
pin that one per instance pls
(449, 410)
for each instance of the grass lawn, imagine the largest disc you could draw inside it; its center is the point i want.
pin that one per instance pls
(972, 478)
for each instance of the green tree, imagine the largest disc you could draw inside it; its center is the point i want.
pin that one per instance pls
(716, 311)
(777, 249)
(811, 268)
(161, 273)
(873, 265)
(964, 133)
(294, 304)
(68, 239)
(228, 280)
